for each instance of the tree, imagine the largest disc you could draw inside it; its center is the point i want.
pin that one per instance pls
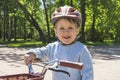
(83, 10)
(20, 18)
(6, 21)
(32, 21)
(47, 21)
(94, 10)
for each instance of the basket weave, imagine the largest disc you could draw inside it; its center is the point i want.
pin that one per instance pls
(22, 77)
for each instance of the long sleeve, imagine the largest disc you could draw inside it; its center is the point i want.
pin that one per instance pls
(76, 52)
(44, 53)
(87, 72)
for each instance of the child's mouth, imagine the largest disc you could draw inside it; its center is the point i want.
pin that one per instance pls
(67, 37)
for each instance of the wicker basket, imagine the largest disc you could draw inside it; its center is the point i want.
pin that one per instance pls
(22, 77)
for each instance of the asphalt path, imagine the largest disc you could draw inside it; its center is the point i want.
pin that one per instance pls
(106, 62)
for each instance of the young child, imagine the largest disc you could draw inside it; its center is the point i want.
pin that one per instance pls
(66, 21)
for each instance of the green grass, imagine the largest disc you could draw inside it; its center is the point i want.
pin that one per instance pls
(105, 43)
(22, 43)
(32, 43)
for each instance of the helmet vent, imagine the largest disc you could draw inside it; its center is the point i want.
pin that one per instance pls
(72, 10)
(59, 10)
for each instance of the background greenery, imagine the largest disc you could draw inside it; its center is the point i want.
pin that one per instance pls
(28, 22)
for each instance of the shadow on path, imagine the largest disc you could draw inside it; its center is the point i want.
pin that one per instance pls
(11, 57)
(98, 52)
(105, 52)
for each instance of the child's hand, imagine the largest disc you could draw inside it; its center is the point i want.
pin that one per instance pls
(29, 58)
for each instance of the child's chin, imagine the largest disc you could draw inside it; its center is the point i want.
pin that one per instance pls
(66, 43)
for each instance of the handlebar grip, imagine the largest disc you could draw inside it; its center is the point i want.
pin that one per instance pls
(69, 64)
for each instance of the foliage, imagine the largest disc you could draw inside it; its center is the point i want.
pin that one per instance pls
(30, 21)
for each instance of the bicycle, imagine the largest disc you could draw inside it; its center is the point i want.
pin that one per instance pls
(51, 65)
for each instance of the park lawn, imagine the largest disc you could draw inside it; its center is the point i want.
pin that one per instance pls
(33, 43)
(22, 43)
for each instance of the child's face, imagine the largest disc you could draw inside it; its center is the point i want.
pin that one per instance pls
(66, 31)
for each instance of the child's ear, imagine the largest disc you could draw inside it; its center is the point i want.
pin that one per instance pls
(78, 30)
(55, 31)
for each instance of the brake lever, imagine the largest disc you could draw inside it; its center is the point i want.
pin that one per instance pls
(57, 70)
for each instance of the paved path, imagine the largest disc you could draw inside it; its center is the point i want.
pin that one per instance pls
(106, 62)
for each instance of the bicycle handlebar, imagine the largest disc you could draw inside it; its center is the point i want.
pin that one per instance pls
(31, 71)
(65, 63)
(69, 64)
(52, 64)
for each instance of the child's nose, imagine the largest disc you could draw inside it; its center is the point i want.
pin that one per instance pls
(66, 31)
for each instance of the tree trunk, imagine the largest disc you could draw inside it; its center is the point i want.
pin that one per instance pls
(0, 29)
(4, 31)
(6, 21)
(71, 3)
(93, 29)
(93, 21)
(47, 21)
(11, 26)
(32, 21)
(25, 32)
(0, 32)
(15, 33)
(83, 4)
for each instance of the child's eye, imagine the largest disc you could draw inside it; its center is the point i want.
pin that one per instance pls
(61, 28)
(70, 27)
